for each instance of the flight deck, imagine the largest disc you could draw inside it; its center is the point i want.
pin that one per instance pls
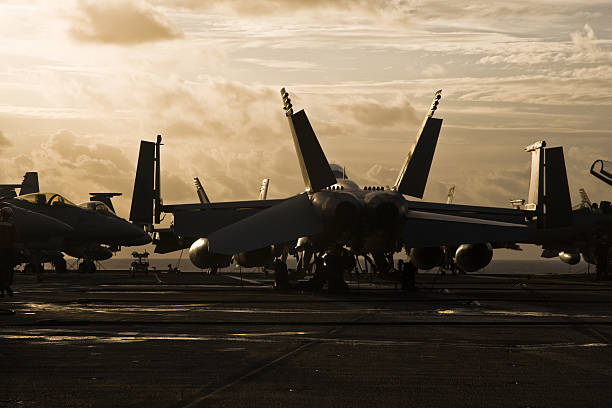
(227, 340)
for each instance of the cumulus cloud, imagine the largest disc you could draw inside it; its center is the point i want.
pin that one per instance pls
(121, 23)
(373, 113)
(4, 142)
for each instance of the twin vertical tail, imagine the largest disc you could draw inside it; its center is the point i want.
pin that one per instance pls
(549, 195)
(412, 179)
(315, 168)
(146, 197)
(30, 183)
(200, 191)
(263, 190)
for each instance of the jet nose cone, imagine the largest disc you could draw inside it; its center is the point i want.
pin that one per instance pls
(132, 235)
(32, 226)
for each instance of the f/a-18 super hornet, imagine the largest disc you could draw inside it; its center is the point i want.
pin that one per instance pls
(96, 231)
(333, 219)
(20, 228)
(563, 230)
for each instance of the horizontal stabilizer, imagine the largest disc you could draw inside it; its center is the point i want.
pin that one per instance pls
(282, 223)
(412, 179)
(429, 229)
(314, 165)
(141, 211)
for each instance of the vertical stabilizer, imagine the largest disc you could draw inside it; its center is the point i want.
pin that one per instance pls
(451, 195)
(143, 195)
(315, 168)
(30, 183)
(535, 200)
(263, 190)
(585, 201)
(558, 205)
(200, 190)
(412, 179)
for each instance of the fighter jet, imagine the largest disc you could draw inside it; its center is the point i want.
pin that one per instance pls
(563, 230)
(333, 217)
(22, 227)
(96, 231)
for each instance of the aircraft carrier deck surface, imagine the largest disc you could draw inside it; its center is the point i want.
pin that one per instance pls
(193, 340)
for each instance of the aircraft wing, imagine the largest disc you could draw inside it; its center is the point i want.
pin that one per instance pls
(472, 211)
(427, 229)
(200, 220)
(289, 220)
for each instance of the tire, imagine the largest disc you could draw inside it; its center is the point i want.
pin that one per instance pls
(60, 265)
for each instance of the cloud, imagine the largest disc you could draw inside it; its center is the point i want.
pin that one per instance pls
(372, 113)
(120, 23)
(434, 71)
(4, 142)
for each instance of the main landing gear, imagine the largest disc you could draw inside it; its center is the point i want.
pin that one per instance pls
(87, 266)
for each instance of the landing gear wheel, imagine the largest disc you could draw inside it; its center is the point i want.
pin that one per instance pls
(35, 269)
(87, 267)
(408, 278)
(602, 262)
(281, 274)
(60, 265)
(335, 274)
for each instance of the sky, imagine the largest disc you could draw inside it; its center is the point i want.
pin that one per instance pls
(82, 82)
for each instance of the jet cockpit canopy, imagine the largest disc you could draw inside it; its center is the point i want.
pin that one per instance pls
(97, 206)
(50, 199)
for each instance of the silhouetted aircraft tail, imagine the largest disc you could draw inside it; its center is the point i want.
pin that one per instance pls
(200, 191)
(105, 198)
(584, 198)
(549, 195)
(315, 168)
(263, 190)
(30, 183)
(27, 186)
(451, 195)
(144, 194)
(415, 171)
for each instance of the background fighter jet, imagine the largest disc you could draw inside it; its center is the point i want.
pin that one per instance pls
(20, 226)
(334, 219)
(585, 229)
(96, 231)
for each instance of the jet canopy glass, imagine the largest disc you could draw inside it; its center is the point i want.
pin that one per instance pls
(97, 206)
(51, 199)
